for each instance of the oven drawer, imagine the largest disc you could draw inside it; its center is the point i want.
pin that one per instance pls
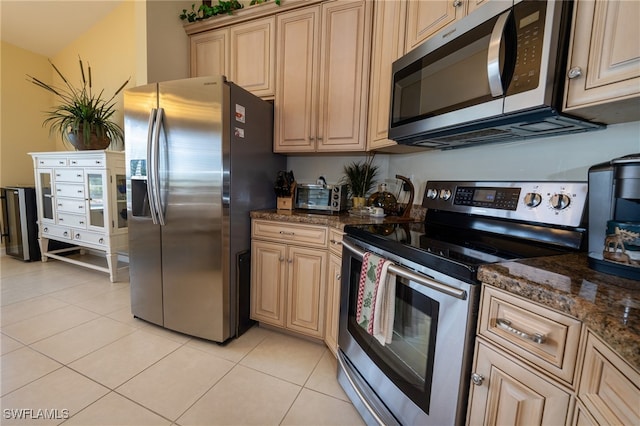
(543, 337)
(309, 235)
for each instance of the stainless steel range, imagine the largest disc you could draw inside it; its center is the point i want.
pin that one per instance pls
(421, 374)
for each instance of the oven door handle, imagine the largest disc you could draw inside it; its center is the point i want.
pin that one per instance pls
(410, 275)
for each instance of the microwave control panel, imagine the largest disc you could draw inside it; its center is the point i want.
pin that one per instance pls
(529, 19)
(556, 203)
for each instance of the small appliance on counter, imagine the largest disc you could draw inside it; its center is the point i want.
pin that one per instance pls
(321, 196)
(614, 217)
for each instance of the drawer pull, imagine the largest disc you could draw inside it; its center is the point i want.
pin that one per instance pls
(287, 233)
(77, 236)
(101, 240)
(506, 325)
(335, 242)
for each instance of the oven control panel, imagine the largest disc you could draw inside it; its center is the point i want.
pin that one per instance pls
(554, 203)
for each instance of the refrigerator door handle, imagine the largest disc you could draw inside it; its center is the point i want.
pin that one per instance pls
(150, 177)
(155, 154)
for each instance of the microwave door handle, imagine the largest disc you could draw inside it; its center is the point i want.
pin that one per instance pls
(493, 55)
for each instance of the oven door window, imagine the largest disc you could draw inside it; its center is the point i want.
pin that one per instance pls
(312, 197)
(408, 359)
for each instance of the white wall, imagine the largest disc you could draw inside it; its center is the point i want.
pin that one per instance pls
(555, 158)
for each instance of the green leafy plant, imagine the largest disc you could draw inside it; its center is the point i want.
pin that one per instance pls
(80, 110)
(360, 176)
(223, 7)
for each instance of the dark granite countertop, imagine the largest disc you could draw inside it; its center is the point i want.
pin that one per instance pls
(338, 221)
(608, 305)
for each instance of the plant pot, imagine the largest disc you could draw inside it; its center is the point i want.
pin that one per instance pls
(358, 202)
(95, 142)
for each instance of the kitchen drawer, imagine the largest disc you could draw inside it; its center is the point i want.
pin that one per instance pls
(52, 162)
(309, 235)
(515, 324)
(609, 388)
(90, 237)
(71, 205)
(70, 190)
(87, 162)
(73, 220)
(69, 175)
(335, 241)
(56, 232)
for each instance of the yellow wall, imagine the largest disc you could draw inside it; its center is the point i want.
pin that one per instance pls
(110, 48)
(21, 115)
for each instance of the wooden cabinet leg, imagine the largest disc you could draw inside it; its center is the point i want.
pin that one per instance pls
(112, 264)
(44, 248)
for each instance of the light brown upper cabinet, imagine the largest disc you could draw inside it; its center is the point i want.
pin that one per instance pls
(322, 71)
(244, 53)
(603, 69)
(210, 53)
(253, 56)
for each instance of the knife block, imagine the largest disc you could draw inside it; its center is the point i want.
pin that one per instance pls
(286, 203)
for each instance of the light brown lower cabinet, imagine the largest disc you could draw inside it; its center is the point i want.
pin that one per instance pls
(609, 388)
(288, 278)
(512, 393)
(534, 365)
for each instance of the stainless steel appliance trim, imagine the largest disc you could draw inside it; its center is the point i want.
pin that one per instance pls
(357, 391)
(420, 279)
(493, 55)
(155, 157)
(150, 132)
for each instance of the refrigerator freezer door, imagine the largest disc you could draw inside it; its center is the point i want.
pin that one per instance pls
(145, 268)
(196, 295)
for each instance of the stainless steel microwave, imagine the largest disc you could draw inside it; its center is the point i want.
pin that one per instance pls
(495, 75)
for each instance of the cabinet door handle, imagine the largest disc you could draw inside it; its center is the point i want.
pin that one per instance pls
(457, 3)
(289, 260)
(574, 72)
(101, 240)
(77, 236)
(338, 276)
(281, 259)
(506, 325)
(477, 379)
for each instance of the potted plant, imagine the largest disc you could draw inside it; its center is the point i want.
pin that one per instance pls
(82, 117)
(360, 176)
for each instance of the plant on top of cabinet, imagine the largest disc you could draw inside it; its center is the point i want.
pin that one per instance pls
(82, 118)
(206, 10)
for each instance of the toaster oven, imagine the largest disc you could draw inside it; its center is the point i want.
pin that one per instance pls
(328, 198)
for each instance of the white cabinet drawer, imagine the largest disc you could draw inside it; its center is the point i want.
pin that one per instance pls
(49, 231)
(69, 175)
(52, 162)
(335, 241)
(74, 220)
(87, 162)
(70, 190)
(309, 235)
(71, 205)
(90, 237)
(545, 338)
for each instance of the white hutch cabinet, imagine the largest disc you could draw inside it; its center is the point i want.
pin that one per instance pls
(82, 200)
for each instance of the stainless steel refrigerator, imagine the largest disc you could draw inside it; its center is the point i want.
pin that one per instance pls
(199, 156)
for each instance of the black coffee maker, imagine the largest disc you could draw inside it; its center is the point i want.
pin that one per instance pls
(614, 217)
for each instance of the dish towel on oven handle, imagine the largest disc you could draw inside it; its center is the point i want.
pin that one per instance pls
(376, 298)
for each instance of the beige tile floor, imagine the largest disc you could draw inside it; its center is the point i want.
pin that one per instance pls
(72, 354)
